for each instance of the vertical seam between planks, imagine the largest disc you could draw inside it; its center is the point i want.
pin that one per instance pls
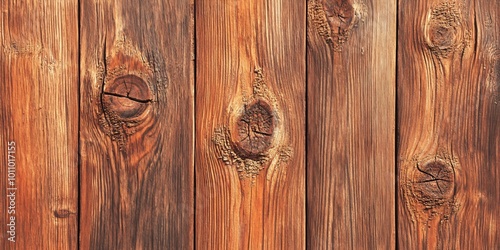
(194, 64)
(306, 77)
(79, 129)
(396, 132)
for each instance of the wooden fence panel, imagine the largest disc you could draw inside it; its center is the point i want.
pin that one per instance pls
(309, 128)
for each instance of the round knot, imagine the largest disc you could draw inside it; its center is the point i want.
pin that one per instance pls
(444, 31)
(254, 130)
(340, 13)
(127, 96)
(433, 183)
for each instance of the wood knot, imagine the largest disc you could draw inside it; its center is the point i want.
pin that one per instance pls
(334, 19)
(340, 14)
(127, 96)
(62, 213)
(254, 130)
(444, 31)
(433, 183)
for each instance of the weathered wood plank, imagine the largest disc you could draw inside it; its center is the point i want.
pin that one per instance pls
(250, 113)
(39, 123)
(137, 138)
(351, 118)
(448, 116)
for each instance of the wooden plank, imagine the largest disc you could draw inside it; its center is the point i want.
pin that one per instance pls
(250, 113)
(137, 138)
(448, 116)
(351, 112)
(39, 124)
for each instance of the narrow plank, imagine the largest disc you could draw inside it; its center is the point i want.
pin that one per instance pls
(137, 120)
(39, 124)
(250, 124)
(448, 116)
(351, 53)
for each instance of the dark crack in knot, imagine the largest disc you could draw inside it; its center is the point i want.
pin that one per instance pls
(433, 183)
(254, 130)
(127, 96)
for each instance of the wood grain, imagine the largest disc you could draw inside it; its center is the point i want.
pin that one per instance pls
(39, 113)
(351, 112)
(250, 124)
(137, 138)
(448, 116)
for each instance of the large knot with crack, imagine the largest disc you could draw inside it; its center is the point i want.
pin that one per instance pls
(253, 130)
(125, 103)
(433, 183)
(127, 96)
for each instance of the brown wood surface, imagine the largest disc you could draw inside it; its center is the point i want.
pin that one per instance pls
(39, 113)
(137, 138)
(448, 121)
(316, 124)
(351, 124)
(250, 124)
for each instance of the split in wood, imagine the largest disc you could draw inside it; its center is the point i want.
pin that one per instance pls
(128, 96)
(124, 100)
(433, 183)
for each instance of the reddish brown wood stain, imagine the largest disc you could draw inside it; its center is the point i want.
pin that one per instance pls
(448, 174)
(250, 124)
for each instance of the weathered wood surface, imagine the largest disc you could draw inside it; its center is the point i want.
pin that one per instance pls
(351, 124)
(250, 124)
(39, 113)
(137, 138)
(448, 121)
(297, 136)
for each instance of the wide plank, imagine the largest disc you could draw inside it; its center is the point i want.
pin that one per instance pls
(137, 120)
(39, 124)
(250, 124)
(351, 53)
(448, 123)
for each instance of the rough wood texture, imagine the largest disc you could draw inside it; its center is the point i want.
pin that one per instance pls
(250, 123)
(113, 82)
(448, 120)
(351, 117)
(137, 121)
(39, 112)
